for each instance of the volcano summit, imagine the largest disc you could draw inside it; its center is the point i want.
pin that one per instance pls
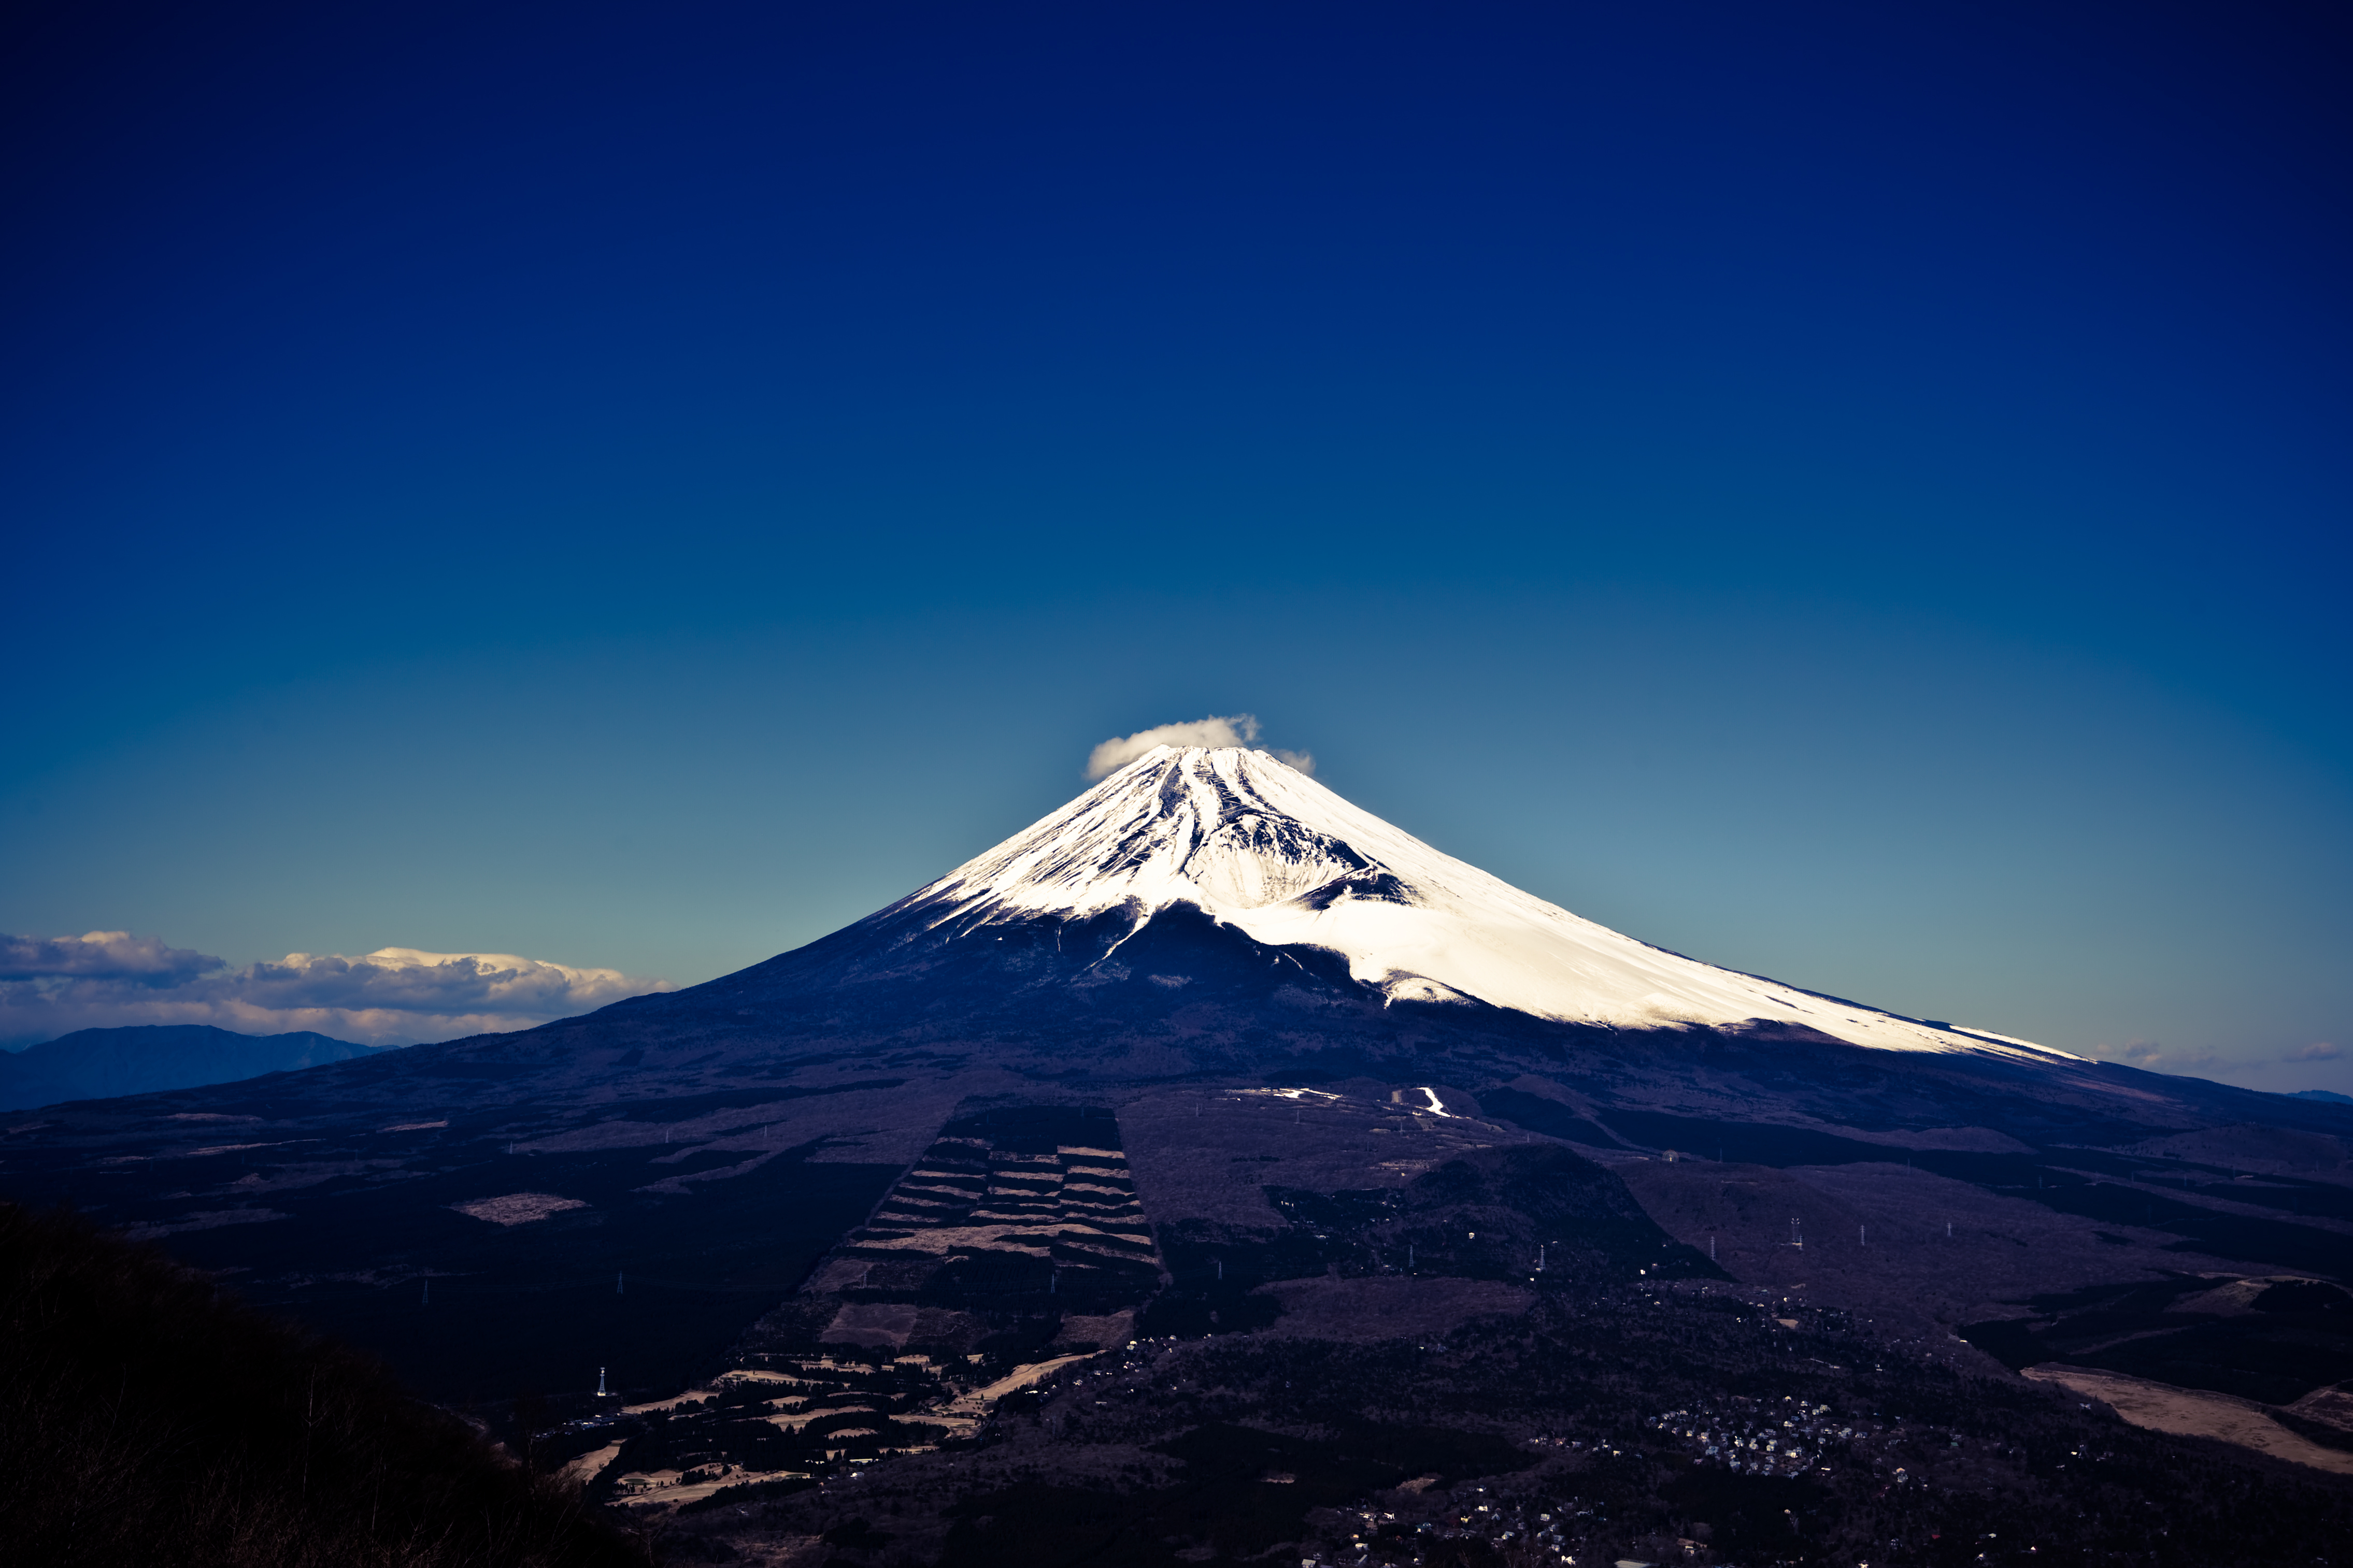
(1265, 850)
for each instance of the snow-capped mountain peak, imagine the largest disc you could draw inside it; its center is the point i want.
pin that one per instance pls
(1261, 846)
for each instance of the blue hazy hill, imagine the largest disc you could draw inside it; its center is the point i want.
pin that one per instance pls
(96, 1064)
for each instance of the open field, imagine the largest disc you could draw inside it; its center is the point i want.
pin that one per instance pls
(2193, 1413)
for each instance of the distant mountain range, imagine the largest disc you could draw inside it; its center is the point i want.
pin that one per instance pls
(99, 1064)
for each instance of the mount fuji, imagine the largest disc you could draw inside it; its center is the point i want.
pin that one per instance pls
(1264, 850)
(1213, 911)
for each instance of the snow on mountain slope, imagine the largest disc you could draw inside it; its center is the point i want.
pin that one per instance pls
(1261, 847)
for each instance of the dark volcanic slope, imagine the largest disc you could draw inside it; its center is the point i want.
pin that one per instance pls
(718, 1140)
(1077, 1002)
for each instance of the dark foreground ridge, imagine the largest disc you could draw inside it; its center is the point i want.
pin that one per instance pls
(146, 1419)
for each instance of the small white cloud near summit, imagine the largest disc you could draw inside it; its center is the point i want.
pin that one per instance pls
(1232, 730)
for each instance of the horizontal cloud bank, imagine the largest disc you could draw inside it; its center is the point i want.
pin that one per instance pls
(1233, 730)
(394, 996)
(2151, 1056)
(100, 955)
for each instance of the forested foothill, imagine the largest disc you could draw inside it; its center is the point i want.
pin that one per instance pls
(1685, 1422)
(148, 1417)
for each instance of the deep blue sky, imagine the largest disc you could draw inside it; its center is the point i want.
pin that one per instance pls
(1853, 493)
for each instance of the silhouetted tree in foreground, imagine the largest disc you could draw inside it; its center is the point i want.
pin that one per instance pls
(146, 1419)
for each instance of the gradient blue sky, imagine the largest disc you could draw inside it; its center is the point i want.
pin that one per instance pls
(1857, 493)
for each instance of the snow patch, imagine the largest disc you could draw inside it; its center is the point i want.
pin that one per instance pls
(1261, 846)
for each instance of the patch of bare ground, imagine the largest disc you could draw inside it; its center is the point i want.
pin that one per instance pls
(1384, 1309)
(2193, 1413)
(2234, 1298)
(292, 1178)
(518, 1208)
(1876, 1238)
(208, 1219)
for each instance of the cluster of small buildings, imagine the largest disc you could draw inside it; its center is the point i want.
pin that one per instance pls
(1540, 1533)
(1784, 1439)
